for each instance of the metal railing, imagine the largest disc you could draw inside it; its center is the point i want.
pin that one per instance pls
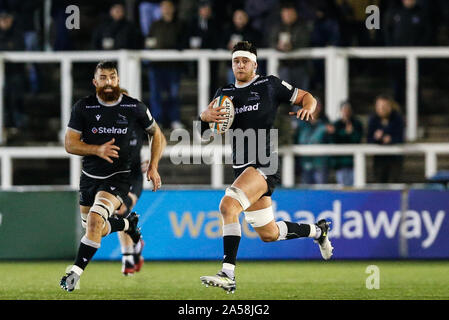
(129, 64)
(287, 154)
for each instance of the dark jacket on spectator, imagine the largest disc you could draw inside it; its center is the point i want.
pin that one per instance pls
(206, 30)
(165, 36)
(407, 27)
(394, 128)
(113, 35)
(12, 40)
(340, 136)
(248, 33)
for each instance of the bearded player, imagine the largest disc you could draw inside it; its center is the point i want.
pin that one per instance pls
(100, 130)
(256, 100)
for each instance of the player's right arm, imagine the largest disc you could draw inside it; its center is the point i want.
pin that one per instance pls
(74, 145)
(212, 114)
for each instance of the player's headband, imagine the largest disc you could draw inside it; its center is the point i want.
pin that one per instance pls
(246, 54)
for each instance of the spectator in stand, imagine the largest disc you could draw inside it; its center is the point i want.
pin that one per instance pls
(165, 77)
(315, 169)
(407, 25)
(187, 9)
(348, 130)
(62, 38)
(27, 13)
(292, 34)
(263, 16)
(203, 28)
(203, 35)
(12, 39)
(149, 11)
(116, 32)
(326, 32)
(239, 30)
(224, 10)
(386, 127)
(352, 14)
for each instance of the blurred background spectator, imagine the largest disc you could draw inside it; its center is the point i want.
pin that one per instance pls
(116, 32)
(165, 77)
(405, 25)
(348, 130)
(12, 39)
(315, 169)
(292, 34)
(203, 28)
(326, 32)
(224, 10)
(203, 31)
(263, 15)
(239, 30)
(28, 16)
(61, 37)
(149, 11)
(386, 127)
(352, 16)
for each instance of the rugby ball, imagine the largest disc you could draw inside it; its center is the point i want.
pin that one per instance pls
(223, 126)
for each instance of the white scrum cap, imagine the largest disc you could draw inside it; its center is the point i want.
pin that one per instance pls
(243, 53)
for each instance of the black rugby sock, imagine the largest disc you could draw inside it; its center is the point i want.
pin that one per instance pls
(230, 247)
(231, 239)
(86, 251)
(117, 224)
(297, 230)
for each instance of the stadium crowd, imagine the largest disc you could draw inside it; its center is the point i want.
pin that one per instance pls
(213, 24)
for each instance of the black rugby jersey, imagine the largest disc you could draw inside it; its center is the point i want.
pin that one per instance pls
(136, 143)
(98, 123)
(256, 104)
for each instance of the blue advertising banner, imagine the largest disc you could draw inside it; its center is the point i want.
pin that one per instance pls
(187, 225)
(426, 225)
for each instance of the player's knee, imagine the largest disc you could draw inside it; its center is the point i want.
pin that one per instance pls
(103, 207)
(229, 206)
(268, 237)
(234, 201)
(95, 223)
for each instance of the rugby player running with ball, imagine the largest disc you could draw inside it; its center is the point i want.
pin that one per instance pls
(256, 100)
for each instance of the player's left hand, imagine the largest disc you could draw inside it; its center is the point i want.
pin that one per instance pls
(304, 114)
(153, 176)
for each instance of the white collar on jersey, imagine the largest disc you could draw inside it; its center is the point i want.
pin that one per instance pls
(246, 83)
(110, 104)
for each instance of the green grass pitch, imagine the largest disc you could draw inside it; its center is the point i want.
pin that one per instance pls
(260, 280)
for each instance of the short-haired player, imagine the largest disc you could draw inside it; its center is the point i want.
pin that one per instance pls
(256, 99)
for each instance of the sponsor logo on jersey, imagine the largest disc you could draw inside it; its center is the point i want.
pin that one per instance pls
(260, 81)
(113, 130)
(248, 108)
(98, 117)
(92, 107)
(254, 96)
(227, 89)
(122, 119)
(128, 105)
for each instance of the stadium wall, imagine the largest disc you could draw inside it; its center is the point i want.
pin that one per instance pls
(38, 225)
(186, 225)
